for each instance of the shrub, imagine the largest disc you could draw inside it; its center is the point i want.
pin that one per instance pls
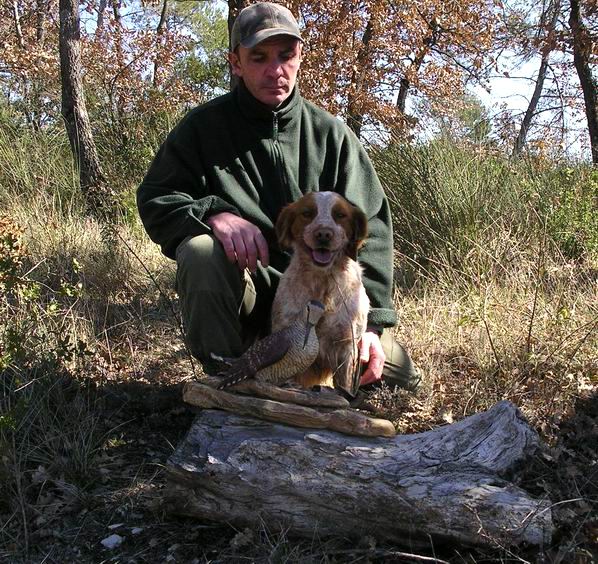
(458, 210)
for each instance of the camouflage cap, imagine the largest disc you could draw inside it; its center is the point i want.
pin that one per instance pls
(260, 21)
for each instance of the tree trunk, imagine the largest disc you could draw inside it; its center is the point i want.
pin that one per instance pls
(74, 111)
(354, 111)
(582, 51)
(531, 108)
(17, 21)
(100, 20)
(40, 23)
(234, 7)
(449, 484)
(405, 83)
(159, 33)
(533, 103)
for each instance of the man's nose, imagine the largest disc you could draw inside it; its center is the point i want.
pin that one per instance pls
(275, 68)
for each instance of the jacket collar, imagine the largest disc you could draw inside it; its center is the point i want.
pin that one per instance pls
(256, 112)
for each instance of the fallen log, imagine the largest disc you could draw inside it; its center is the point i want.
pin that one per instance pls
(448, 484)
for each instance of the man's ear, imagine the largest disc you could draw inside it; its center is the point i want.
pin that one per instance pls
(283, 227)
(235, 63)
(360, 232)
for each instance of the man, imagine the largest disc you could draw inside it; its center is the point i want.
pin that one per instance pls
(217, 184)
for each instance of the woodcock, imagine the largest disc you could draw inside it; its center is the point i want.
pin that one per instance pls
(279, 356)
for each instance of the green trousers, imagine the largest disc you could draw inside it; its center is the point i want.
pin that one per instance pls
(225, 310)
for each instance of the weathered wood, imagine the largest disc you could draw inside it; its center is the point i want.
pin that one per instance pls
(447, 484)
(341, 420)
(327, 397)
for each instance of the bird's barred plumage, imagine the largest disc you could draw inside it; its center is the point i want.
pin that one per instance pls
(279, 356)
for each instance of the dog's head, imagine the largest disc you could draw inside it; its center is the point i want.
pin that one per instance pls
(323, 226)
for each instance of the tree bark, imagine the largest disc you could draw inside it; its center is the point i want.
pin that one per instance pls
(582, 51)
(159, 33)
(17, 21)
(100, 20)
(40, 23)
(344, 420)
(74, 111)
(533, 103)
(405, 83)
(448, 484)
(354, 111)
(234, 7)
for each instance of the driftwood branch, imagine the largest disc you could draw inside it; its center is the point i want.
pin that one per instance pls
(341, 420)
(449, 484)
(327, 397)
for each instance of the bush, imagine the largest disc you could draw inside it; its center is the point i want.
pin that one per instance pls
(457, 210)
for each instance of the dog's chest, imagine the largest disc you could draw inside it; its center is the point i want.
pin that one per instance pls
(346, 303)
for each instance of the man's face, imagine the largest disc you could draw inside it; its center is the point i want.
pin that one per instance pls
(269, 70)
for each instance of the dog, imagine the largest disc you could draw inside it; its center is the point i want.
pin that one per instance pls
(324, 232)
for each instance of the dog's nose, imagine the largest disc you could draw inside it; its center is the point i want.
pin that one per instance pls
(323, 236)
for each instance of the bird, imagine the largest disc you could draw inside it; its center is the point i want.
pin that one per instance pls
(279, 356)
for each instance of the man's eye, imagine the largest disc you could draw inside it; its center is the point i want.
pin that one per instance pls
(257, 59)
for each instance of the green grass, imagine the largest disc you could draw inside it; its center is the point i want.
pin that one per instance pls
(461, 212)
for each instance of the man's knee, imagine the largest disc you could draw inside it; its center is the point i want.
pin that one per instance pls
(399, 369)
(199, 251)
(203, 265)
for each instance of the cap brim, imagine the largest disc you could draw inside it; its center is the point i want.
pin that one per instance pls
(264, 34)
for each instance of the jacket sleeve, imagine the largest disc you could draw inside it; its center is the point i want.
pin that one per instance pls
(359, 183)
(174, 199)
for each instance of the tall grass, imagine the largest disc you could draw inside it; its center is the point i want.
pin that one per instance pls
(496, 261)
(73, 306)
(455, 210)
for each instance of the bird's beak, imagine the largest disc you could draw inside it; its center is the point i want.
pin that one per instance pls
(308, 327)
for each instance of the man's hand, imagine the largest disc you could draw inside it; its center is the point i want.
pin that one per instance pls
(371, 353)
(242, 241)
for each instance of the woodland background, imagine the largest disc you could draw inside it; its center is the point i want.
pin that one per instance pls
(496, 242)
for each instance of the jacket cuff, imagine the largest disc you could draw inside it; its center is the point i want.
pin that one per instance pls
(217, 205)
(382, 317)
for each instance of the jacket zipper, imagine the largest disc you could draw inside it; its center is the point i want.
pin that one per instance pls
(279, 162)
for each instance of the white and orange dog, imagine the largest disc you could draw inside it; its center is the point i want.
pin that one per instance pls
(324, 231)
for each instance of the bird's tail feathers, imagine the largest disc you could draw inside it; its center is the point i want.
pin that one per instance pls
(232, 378)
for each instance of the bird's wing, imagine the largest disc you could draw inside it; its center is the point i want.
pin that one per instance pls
(264, 352)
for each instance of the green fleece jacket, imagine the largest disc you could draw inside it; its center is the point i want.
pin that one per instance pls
(234, 154)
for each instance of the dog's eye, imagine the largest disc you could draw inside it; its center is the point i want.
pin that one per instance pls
(307, 213)
(339, 215)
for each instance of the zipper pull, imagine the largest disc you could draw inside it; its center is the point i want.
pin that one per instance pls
(275, 127)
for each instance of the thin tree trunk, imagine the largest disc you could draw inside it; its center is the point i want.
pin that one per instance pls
(40, 25)
(582, 50)
(533, 103)
(234, 7)
(159, 33)
(531, 108)
(354, 112)
(17, 21)
(100, 20)
(74, 111)
(406, 82)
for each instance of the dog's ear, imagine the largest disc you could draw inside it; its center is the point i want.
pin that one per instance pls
(283, 226)
(360, 232)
